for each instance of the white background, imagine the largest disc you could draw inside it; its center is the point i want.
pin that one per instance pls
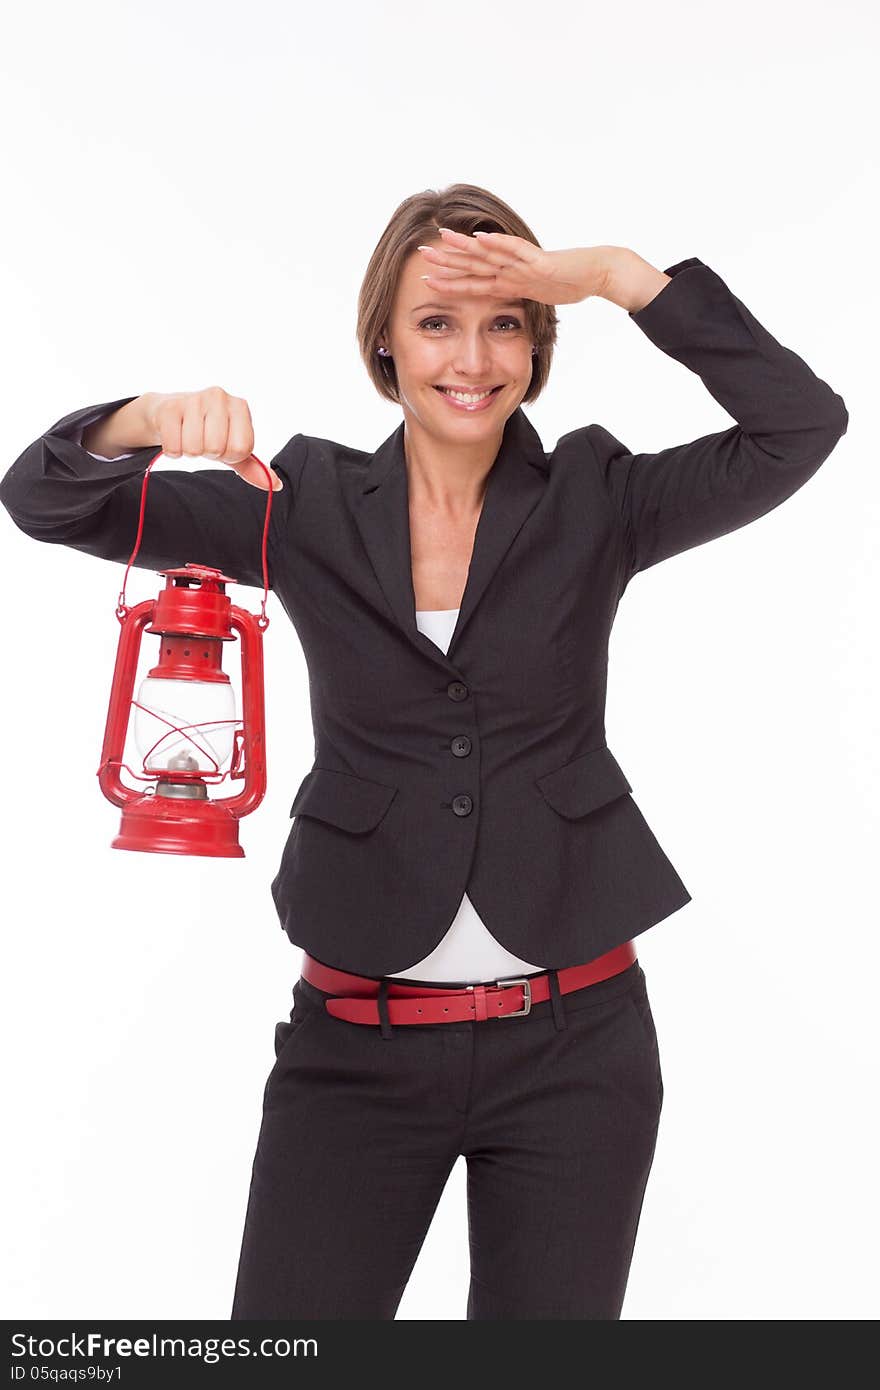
(192, 195)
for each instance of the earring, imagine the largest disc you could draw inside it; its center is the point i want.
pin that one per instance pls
(534, 352)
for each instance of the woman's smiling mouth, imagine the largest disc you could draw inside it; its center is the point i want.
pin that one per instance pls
(469, 401)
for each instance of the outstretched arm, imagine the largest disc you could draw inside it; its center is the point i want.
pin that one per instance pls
(56, 491)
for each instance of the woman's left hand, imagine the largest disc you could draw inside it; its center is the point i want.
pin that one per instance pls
(496, 263)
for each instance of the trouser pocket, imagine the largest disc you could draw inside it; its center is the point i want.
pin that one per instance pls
(287, 1029)
(641, 1006)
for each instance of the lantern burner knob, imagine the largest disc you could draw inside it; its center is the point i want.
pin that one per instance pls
(182, 762)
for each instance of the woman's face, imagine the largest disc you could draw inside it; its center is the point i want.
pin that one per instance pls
(448, 340)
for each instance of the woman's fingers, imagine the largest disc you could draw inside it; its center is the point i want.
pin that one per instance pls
(471, 262)
(215, 425)
(445, 267)
(211, 424)
(494, 263)
(503, 265)
(448, 272)
(490, 248)
(251, 472)
(192, 427)
(168, 420)
(240, 440)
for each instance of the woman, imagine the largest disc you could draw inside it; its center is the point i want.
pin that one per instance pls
(467, 868)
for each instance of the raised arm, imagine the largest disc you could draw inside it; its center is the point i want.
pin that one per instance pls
(57, 491)
(788, 421)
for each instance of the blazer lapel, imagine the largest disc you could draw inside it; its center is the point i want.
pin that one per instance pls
(515, 484)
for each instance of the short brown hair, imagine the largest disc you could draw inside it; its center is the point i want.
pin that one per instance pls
(463, 207)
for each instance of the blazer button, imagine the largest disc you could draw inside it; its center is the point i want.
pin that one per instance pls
(462, 804)
(457, 690)
(461, 745)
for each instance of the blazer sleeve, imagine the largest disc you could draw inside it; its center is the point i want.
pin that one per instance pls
(56, 491)
(788, 422)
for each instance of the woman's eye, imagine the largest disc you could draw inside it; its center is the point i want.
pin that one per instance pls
(426, 323)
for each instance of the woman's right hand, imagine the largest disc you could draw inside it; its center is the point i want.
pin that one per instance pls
(206, 424)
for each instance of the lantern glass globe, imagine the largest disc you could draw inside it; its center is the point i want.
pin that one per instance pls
(165, 705)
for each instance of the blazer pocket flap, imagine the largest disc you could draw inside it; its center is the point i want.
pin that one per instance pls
(584, 784)
(351, 803)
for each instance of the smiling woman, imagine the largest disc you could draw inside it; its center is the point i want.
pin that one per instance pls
(466, 209)
(466, 849)
(501, 822)
(460, 361)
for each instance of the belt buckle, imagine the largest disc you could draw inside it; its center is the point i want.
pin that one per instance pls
(527, 997)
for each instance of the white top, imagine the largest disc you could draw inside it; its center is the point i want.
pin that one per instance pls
(468, 953)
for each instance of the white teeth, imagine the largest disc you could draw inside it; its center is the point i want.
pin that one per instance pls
(465, 396)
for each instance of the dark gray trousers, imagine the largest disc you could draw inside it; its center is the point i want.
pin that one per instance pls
(556, 1114)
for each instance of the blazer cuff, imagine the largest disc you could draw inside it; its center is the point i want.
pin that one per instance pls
(664, 314)
(73, 426)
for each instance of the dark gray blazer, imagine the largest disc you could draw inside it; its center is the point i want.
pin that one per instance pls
(485, 769)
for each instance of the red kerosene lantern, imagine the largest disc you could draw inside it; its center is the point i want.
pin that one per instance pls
(183, 753)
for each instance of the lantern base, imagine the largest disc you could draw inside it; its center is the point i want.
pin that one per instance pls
(174, 825)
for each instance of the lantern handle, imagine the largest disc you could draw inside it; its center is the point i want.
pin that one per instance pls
(262, 621)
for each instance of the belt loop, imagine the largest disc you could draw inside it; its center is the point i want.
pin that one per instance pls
(556, 996)
(382, 1001)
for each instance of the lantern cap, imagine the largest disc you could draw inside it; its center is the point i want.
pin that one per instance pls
(201, 572)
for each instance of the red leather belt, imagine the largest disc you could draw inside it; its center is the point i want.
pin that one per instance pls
(510, 998)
